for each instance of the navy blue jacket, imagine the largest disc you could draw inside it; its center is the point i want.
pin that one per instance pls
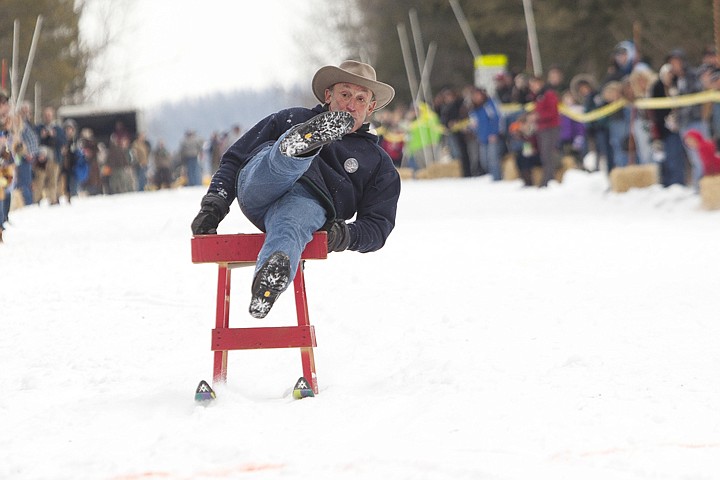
(371, 192)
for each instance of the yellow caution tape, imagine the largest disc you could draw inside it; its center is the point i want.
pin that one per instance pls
(460, 125)
(642, 103)
(594, 115)
(679, 101)
(607, 110)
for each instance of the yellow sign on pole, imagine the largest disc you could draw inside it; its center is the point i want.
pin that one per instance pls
(486, 67)
(495, 60)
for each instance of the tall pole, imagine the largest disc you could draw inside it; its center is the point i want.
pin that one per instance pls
(412, 81)
(417, 37)
(532, 38)
(409, 68)
(28, 66)
(465, 28)
(427, 67)
(637, 35)
(14, 72)
(38, 103)
(716, 24)
(420, 52)
(425, 80)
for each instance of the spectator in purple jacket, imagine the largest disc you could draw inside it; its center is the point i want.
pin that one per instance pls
(572, 132)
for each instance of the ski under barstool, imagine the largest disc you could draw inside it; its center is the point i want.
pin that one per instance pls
(240, 250)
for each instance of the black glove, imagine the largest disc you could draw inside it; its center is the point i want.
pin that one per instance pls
(213, 209)
(338, 237)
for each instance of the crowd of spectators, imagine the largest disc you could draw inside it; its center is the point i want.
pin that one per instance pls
(530, 120)
(535, 121)
(51, 162)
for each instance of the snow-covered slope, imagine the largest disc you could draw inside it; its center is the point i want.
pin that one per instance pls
(502, 333)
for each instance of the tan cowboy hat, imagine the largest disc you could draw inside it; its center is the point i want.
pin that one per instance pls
(356, 73)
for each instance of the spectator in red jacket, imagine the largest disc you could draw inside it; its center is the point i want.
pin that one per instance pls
(548, 127)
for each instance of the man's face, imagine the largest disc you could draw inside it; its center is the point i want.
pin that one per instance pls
(351, 98)
(555, 76)
(535, 85)
(621, 57)
(677, 65)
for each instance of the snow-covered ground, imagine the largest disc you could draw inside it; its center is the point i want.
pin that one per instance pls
(502, 333)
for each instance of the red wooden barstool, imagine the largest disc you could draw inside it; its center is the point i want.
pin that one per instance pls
(239, 250)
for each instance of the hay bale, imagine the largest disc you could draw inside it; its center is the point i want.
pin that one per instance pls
(406, 173)
(623, 179)
(509, 168)
(451, 169)
(567, 162)
(16, 200)
(422, 174)
(710, 192)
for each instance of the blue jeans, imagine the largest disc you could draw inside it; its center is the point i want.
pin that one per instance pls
(490, 159)
(618, 135)
(72, 185)
(602, 143)
(194, 173)
(672, 169)
(141, 177)
(23, 179)
(6, 206)
(271, 198)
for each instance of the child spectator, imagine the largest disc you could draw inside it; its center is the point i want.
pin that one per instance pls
(523, 144)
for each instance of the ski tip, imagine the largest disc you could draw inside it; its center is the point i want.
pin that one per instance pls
(302, 389)
(204, 393)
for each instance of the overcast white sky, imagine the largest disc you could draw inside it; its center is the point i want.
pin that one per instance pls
(170, 49)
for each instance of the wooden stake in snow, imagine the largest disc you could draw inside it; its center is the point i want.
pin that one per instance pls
(14, 66)
(465, 27)
(28, 66)
(532, 38)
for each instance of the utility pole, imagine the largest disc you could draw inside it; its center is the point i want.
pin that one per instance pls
(37, 103)
(716, 24)
(465, 27)
(28, 65)
(14, 72)
(421, 57)
(414, 90)
(532, 38)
